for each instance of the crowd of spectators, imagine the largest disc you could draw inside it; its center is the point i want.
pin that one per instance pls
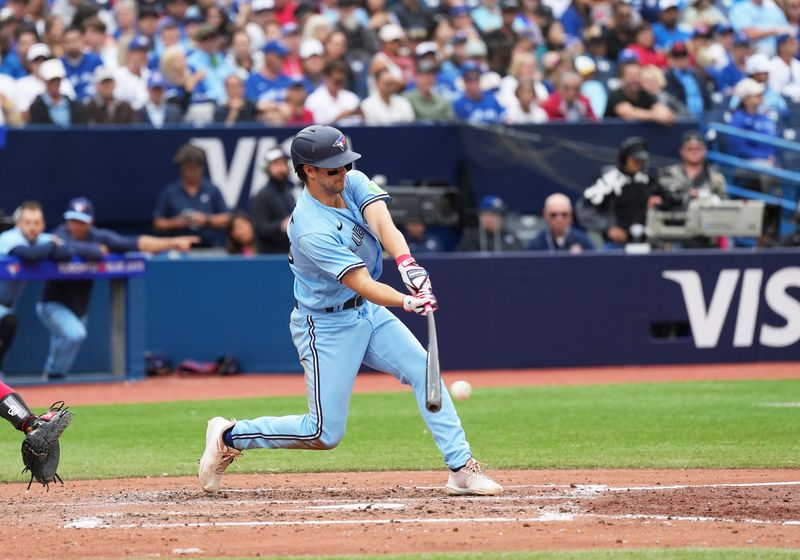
(391, 61)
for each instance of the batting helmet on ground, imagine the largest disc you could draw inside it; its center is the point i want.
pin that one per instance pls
(322, 146)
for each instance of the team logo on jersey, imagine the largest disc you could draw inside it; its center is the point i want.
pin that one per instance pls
(358, 235)
(341, 143)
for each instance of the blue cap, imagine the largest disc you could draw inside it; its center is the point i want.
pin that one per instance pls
(290, 28)
(276, 47)
(722, 28)
(469, 67)
(459, 11)
(460, 37)
(139, 43)
(741, 39)
(156, 80)
(80, 209)
(626, 56)
(492, 203)
(782, 38)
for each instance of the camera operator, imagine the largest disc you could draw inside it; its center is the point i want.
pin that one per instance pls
(693, 177)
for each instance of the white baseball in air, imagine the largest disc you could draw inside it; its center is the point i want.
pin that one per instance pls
(460, 390)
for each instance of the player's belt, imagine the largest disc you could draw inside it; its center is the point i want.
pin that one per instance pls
(349, 304)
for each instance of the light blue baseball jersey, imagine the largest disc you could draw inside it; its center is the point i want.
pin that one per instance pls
(10, 290)
(327, 243)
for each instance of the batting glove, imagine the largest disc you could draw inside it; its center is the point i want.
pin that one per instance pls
(421, 303)
(414, 276)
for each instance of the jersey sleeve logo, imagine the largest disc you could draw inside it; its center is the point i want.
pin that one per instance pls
(374, 188)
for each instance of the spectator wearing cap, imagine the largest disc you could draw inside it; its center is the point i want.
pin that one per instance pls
(385, 106)
(630, 102)
(156, 111)
(475, 105)
(28, 87)
(525, 109)
(643, 47)
(750, 116)
(237, 108)
(103, 107)
(331, 103)
(208, 57)
(686, 83)
(131, 78)
(735, 70)
(567, 103)
(79, 64)
(426, 104)
(693, 178)
(757, 67)
(784, 69)
(64, 305)
(559, 235)
(269, 84)
(703, 13)
(14, 61)
(272, 206)
(460, 18)
(762, 21)
(616, 204)
(52, 107)
(192, 205)
(487, 16)
(312, 57)
(391, 56)
(666, 29)
(491, 235)
(500, 42)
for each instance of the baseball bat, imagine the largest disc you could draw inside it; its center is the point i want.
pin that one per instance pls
(433, 375)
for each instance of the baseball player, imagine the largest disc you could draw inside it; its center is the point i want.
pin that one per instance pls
(64, 306)
(28, 242)
(340, 320)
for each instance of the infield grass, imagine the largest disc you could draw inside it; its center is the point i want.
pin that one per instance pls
(664, 425)
(642, 554)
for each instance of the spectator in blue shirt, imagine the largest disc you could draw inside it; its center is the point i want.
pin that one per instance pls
(666, 28)
(733, 72)
(420, 240)
(686, 83)
(79, 64)
(761, 21)
(269, 84)
(559, 235)
(749, 117)
(475, 105)
(192, 205)
(209, 58)
(13, 61)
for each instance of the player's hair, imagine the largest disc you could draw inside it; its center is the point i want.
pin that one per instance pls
(188, 153)
(301, 174)
(27, 205)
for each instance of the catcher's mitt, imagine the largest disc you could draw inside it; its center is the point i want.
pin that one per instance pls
(40, 450)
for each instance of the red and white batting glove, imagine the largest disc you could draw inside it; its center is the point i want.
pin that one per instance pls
(414, 276)
(421, 303)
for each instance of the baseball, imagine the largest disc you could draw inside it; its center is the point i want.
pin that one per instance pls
(460, 390)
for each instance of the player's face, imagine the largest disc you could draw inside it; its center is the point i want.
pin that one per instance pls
(31, 224)
(329, 180)
(78, 230)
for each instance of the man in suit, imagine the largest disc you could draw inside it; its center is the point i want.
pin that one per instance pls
(158, 111)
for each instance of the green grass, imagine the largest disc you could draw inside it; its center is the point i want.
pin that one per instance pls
(669, 425)
(655, 554)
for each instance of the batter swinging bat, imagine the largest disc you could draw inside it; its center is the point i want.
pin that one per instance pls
(433, 376)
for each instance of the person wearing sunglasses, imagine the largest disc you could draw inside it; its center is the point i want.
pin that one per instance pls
(559, 235)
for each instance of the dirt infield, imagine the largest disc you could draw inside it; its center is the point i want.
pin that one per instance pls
(397, 512)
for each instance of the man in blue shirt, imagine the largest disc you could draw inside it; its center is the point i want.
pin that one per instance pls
(64, 306)
(209, 58)
(13, 64)
(79, 63)
(559, 235)
(269, 84)
(475, 105)
(685, 83)
(762, 21)
(666, 30)
(192, 205)
(28, 242)
(338, 233)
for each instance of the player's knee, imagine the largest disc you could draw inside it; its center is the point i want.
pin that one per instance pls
(329, 439)
(75, 336)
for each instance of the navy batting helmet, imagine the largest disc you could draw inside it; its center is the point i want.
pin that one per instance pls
(322, 146)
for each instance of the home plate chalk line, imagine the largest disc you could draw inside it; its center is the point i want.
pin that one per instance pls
(545, 515)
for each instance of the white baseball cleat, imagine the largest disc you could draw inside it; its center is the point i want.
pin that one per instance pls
(472, 480)
(217, 457)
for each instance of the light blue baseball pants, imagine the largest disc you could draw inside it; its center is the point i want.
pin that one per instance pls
(332, 347)
(67, 333)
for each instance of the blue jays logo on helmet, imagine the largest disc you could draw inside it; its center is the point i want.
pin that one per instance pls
(341, 143)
